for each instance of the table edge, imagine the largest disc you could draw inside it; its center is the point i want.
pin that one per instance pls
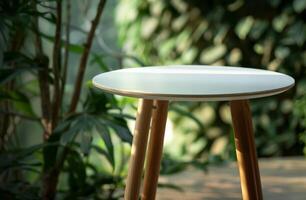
(176, 97)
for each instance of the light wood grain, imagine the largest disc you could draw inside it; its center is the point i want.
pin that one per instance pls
(245, 150)
(138, 151)
(155, 149)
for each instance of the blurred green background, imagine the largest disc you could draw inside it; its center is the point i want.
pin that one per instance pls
(263, 34)
(134, 33)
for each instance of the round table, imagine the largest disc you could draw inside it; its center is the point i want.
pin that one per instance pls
(156, 86)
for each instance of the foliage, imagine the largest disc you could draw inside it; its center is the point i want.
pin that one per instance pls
(264, 34)
(83, 140)
(33, 90)
(300, 110)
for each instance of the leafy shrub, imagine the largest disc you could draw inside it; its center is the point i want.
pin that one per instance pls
(263, 34)
(34, 90)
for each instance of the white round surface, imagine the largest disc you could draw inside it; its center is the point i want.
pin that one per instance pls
(193, 82)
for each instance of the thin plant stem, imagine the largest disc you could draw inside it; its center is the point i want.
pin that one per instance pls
(84, 58)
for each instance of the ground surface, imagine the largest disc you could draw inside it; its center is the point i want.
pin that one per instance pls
(282, 179)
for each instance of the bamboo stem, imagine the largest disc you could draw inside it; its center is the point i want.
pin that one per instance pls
(56, 59)
(67, 43)
(84, 58)
(43, 75)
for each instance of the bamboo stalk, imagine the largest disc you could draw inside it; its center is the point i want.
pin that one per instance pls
(84, 58)
(43, 62)
(56, 59)
(67, 42)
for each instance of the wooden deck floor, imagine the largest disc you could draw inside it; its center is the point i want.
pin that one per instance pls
(282, 179)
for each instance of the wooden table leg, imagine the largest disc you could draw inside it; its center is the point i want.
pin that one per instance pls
(138, 150)
(155, 149)
(246, 150)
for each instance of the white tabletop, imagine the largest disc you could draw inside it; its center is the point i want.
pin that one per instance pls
(193, 82)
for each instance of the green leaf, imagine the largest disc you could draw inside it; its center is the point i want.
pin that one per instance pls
(50, 152)
(296, 34)
(170, 166)
(79, 124)
(299, 5)
(24, 105)
(75, 48)
(259, 27)
(77, 170)
(14, 64)
(280, 22)
(86, 139)
(7, 74)
(187, 114)
(53, 153)
(171, 186)
(20, 101)
(105, 135)
(120, 127)
(244, 26)
(104, 153)
(98, 59)
(62, 126)
(97, 101)
(13, 56)
(166, 47)
(17, 158)
(148, 26)
(18, 190)
(70, 134)
(212, 54)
